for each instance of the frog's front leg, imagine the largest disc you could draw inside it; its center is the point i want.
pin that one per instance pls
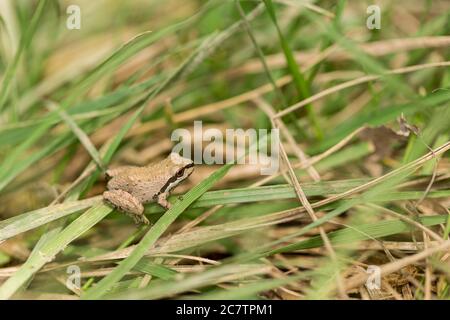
(162, 200)
(126, 203)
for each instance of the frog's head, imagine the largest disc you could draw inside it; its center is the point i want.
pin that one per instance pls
(180, 168)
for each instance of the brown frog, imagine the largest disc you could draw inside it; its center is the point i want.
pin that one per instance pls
(130, 187)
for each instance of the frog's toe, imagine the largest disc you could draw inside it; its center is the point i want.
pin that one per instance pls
(162, 201)
(138, 219)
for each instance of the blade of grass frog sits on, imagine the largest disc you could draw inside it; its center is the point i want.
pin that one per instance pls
(130, 187)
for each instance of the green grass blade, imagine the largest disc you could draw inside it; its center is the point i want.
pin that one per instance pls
(162, 272)
(80, 134)
(301, 84)
(51, 248)
(25, 41)
(36, 218)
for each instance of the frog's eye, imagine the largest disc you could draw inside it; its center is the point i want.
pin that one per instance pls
(180, 173)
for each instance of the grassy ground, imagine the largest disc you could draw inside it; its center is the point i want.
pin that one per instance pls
(363, 114)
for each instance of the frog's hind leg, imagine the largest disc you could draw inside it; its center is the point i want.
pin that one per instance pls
(126, 203)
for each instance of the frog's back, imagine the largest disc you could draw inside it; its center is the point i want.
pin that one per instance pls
(138, 181)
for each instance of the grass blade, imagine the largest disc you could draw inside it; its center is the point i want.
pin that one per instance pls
(36, 218)
(301, 84)
(80, 134)
(25, 41)
(51, 248)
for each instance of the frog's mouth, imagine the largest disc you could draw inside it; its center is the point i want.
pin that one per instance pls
(190, 165)
(189, 172)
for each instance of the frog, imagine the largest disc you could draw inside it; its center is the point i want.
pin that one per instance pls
(130, 187)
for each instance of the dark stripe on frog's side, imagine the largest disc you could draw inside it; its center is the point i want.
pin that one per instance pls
(171, 180)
